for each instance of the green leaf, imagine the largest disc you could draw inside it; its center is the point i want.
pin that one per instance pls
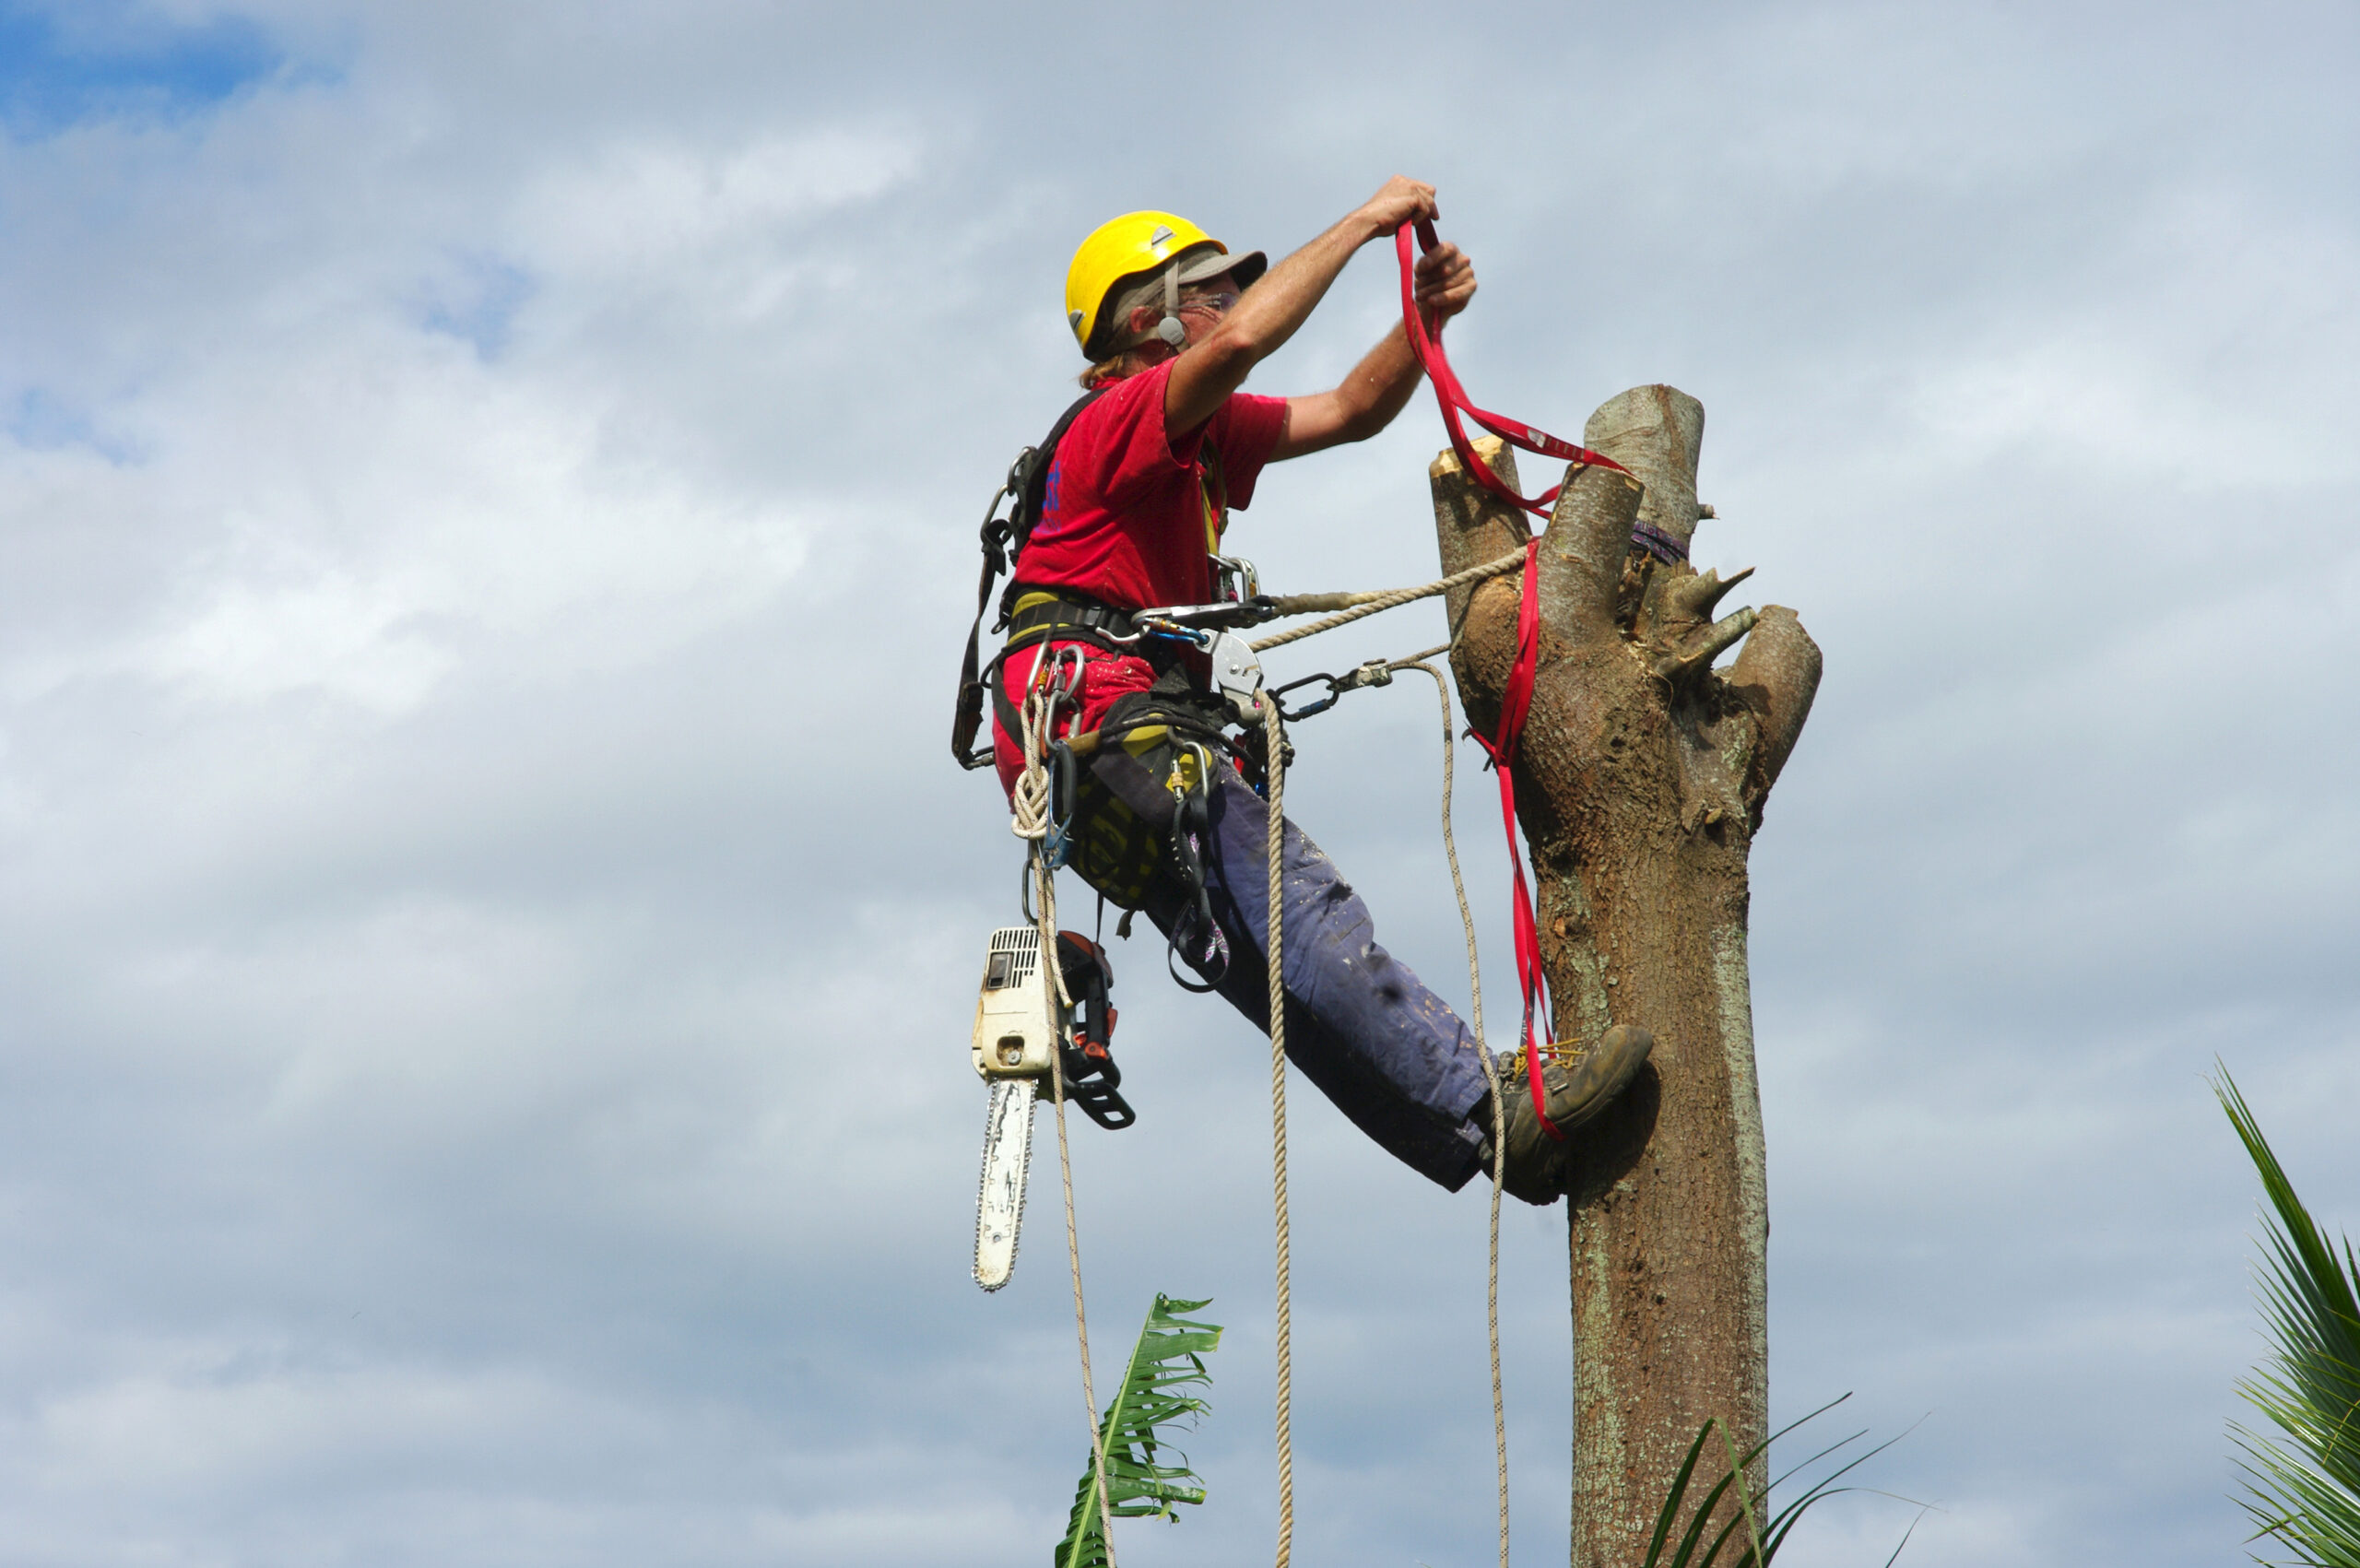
(1167, 1361)
(1758, 1546)
(2303, 1487)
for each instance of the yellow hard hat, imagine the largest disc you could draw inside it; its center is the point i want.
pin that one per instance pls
(1134, 249)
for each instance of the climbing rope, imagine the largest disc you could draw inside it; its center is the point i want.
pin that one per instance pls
(1355, 606)
(1275, 749)
(1491, 1081)
(1274, 740)
(1040, 701)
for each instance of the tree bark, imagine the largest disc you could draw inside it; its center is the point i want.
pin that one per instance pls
(1641, 782)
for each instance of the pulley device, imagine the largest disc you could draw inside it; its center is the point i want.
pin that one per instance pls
(1018, 1023)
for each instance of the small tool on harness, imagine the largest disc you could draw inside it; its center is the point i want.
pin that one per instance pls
(1196, 934)
(1057, 844)
(1018, 1024)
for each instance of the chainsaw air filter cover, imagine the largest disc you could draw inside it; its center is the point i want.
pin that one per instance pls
(1014, 1031)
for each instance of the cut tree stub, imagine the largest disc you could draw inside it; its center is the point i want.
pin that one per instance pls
(1656, 432)
(1640, 782)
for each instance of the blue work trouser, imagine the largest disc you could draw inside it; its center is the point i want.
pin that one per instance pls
(1389, 1052)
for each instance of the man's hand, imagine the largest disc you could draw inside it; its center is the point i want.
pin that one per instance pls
(1403, 200)
(1442, 283)
(1215, 365)
(1445, 281)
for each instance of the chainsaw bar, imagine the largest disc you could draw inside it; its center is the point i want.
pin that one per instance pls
(1008, 1154)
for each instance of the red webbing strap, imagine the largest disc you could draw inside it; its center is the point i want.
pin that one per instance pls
(1516, 700)
(1453, 399)
(1514, 703)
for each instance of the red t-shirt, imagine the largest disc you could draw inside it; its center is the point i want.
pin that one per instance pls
(1131, 518)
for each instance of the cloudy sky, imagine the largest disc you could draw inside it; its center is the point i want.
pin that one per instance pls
(488, 926)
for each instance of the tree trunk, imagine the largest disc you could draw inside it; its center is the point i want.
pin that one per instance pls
(1641, 782)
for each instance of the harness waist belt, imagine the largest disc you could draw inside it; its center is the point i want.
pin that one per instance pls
(1040, 611)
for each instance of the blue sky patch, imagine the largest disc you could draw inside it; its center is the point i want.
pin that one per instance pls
(118, 65)
(39, 420)
(481, 304)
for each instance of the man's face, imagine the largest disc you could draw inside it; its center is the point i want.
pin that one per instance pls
(1202, 305)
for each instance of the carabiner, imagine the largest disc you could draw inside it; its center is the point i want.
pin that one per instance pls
(1060, 671)
(1335, 690)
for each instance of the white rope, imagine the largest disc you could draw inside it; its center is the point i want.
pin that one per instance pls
(1274, 746)
(1491, 1079)
(1039, 718)
(1369, 604)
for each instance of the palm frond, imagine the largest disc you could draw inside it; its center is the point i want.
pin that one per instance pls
(1168, 1360)
(1761, 1543)
(2303, 1486)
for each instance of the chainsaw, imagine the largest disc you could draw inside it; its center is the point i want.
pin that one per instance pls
(1018, 1023)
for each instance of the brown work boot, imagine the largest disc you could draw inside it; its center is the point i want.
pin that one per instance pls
(1535, 1167)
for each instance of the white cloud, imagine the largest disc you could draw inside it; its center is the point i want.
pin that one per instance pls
(640, 214)
(485, 926)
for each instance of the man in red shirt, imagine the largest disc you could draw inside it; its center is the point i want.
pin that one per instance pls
(1132, 517)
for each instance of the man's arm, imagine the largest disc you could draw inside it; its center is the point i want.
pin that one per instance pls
(1380, 385)
(1267, 314)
